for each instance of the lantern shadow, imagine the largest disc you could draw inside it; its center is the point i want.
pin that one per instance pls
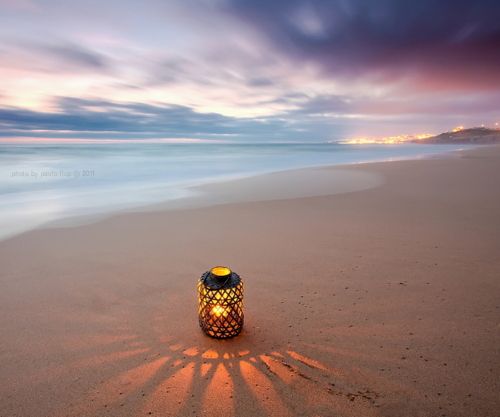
(156, 375)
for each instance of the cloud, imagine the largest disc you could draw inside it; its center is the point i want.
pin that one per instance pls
(63, 58)
(77, 116)
(106, 119)
(449, 43)
(260, 82)
(76, 55)
(366, 106)
(58, 56)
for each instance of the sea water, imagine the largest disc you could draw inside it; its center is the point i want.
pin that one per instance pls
(41, 183)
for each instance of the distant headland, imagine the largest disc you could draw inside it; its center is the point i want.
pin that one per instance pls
(475, 135)
(458, 135)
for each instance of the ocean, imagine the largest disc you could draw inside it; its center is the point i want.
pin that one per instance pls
(41, 183)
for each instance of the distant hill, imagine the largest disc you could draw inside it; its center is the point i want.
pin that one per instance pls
(475, 135)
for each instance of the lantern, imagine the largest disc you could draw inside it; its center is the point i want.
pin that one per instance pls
(220, 303)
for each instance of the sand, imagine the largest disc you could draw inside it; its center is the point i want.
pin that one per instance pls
(378, 301)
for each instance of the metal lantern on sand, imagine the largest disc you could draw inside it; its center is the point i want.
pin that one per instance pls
(220, 303)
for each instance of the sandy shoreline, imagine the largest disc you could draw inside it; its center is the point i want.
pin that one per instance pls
(308, 181)
(382, 301)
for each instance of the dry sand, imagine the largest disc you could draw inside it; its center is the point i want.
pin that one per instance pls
(378, 302)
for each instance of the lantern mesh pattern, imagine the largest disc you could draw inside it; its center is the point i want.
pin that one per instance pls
(220, 305)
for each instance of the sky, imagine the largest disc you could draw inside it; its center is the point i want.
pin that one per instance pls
(243, 70)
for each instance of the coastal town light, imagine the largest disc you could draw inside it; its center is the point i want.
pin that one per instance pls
(220, 303)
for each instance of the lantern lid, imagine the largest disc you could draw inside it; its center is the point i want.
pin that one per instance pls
(220, 277)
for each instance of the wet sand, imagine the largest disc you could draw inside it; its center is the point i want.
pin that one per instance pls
(378, 301)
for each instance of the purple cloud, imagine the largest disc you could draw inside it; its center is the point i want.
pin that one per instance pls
(454, 42)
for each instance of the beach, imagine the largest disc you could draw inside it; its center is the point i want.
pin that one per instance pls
(375, 298)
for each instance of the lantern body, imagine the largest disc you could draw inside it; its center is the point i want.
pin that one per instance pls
(220, 303)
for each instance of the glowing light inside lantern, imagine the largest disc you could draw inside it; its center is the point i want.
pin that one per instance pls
(218, 311)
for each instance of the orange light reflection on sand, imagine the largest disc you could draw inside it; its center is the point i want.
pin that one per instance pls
(126, 384)
(307, 361)
(218, 397)
(184, 379)
(210, 354)
(263, 390)
(193, 351)
(171, 393)
(279, 370)
(204, 369)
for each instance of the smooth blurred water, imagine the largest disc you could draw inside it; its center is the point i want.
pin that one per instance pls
(40, 183)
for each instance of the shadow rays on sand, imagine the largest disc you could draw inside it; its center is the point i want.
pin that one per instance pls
(145, 375)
